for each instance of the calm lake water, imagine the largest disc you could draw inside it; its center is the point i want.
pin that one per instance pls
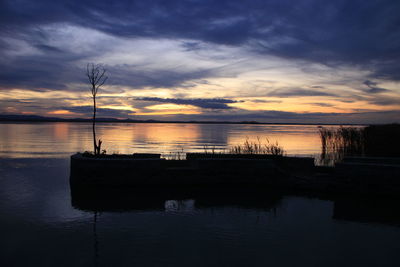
(62, 139)
(44, 223)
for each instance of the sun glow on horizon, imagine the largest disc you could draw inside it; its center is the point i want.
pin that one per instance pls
(62, 112)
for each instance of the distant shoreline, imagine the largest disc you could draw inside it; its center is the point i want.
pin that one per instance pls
(39, 119)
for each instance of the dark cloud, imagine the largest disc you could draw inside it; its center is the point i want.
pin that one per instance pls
(55, 72)
(345, 100)
(322, 104)
(33, 105)
(364, 33)
(297, 92)
(373, 87)
(48, 48)
(385, 101)
(101, 112)
(387, 69)
(192, 46)
(51, 69)
(131, 75)
(264, 101)
(37, 74)
(207, 103)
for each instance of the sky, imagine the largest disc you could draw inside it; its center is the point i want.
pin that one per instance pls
(308, 61)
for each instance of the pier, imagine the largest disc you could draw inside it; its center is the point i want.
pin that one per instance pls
(365, 176)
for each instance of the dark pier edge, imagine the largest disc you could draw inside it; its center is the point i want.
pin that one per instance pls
(362, 190)
(368, 176)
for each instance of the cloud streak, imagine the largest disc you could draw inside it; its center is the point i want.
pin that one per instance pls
(206, 103)
(373, 87)
(298, 93)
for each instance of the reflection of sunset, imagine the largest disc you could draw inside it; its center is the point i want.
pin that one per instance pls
(151, 137)
(165, 133)
(136, 136)
(296, 140)
(290, 143)
(61, 131)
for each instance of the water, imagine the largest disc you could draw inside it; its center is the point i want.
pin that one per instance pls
(44, 223)
(62, 139)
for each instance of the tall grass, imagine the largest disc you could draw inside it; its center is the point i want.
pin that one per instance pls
(258, 147)
(370, 141)
(341, 142)
(211, 150)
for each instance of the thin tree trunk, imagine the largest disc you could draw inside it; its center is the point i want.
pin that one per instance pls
(93, 126)
(95, 74)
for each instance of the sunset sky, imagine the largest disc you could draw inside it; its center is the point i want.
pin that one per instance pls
(263, 60)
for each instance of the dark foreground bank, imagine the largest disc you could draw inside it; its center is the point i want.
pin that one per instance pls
(44, 223)
(364, 176)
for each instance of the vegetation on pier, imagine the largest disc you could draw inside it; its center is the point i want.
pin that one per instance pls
(370, 141)
(258, 147)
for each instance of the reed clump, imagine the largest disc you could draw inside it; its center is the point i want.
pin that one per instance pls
(211, 150)
(344, 141)
(371, 141)
(258, 147)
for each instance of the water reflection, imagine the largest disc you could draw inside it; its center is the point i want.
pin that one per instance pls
(382, 211)
(186, 205)
(61, 131)
(144, 227)
(375, 210)
(185, 199)
(63, 139)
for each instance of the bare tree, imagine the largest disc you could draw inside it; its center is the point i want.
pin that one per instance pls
(96, 75)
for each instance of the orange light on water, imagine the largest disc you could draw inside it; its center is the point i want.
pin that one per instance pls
(61, 131)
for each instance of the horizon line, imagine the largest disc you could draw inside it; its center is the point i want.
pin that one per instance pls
(38, 118)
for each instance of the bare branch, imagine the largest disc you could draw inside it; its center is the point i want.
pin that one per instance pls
(96, 76)
(102, 82)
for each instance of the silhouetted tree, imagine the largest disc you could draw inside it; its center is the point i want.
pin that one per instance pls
(97, 77)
